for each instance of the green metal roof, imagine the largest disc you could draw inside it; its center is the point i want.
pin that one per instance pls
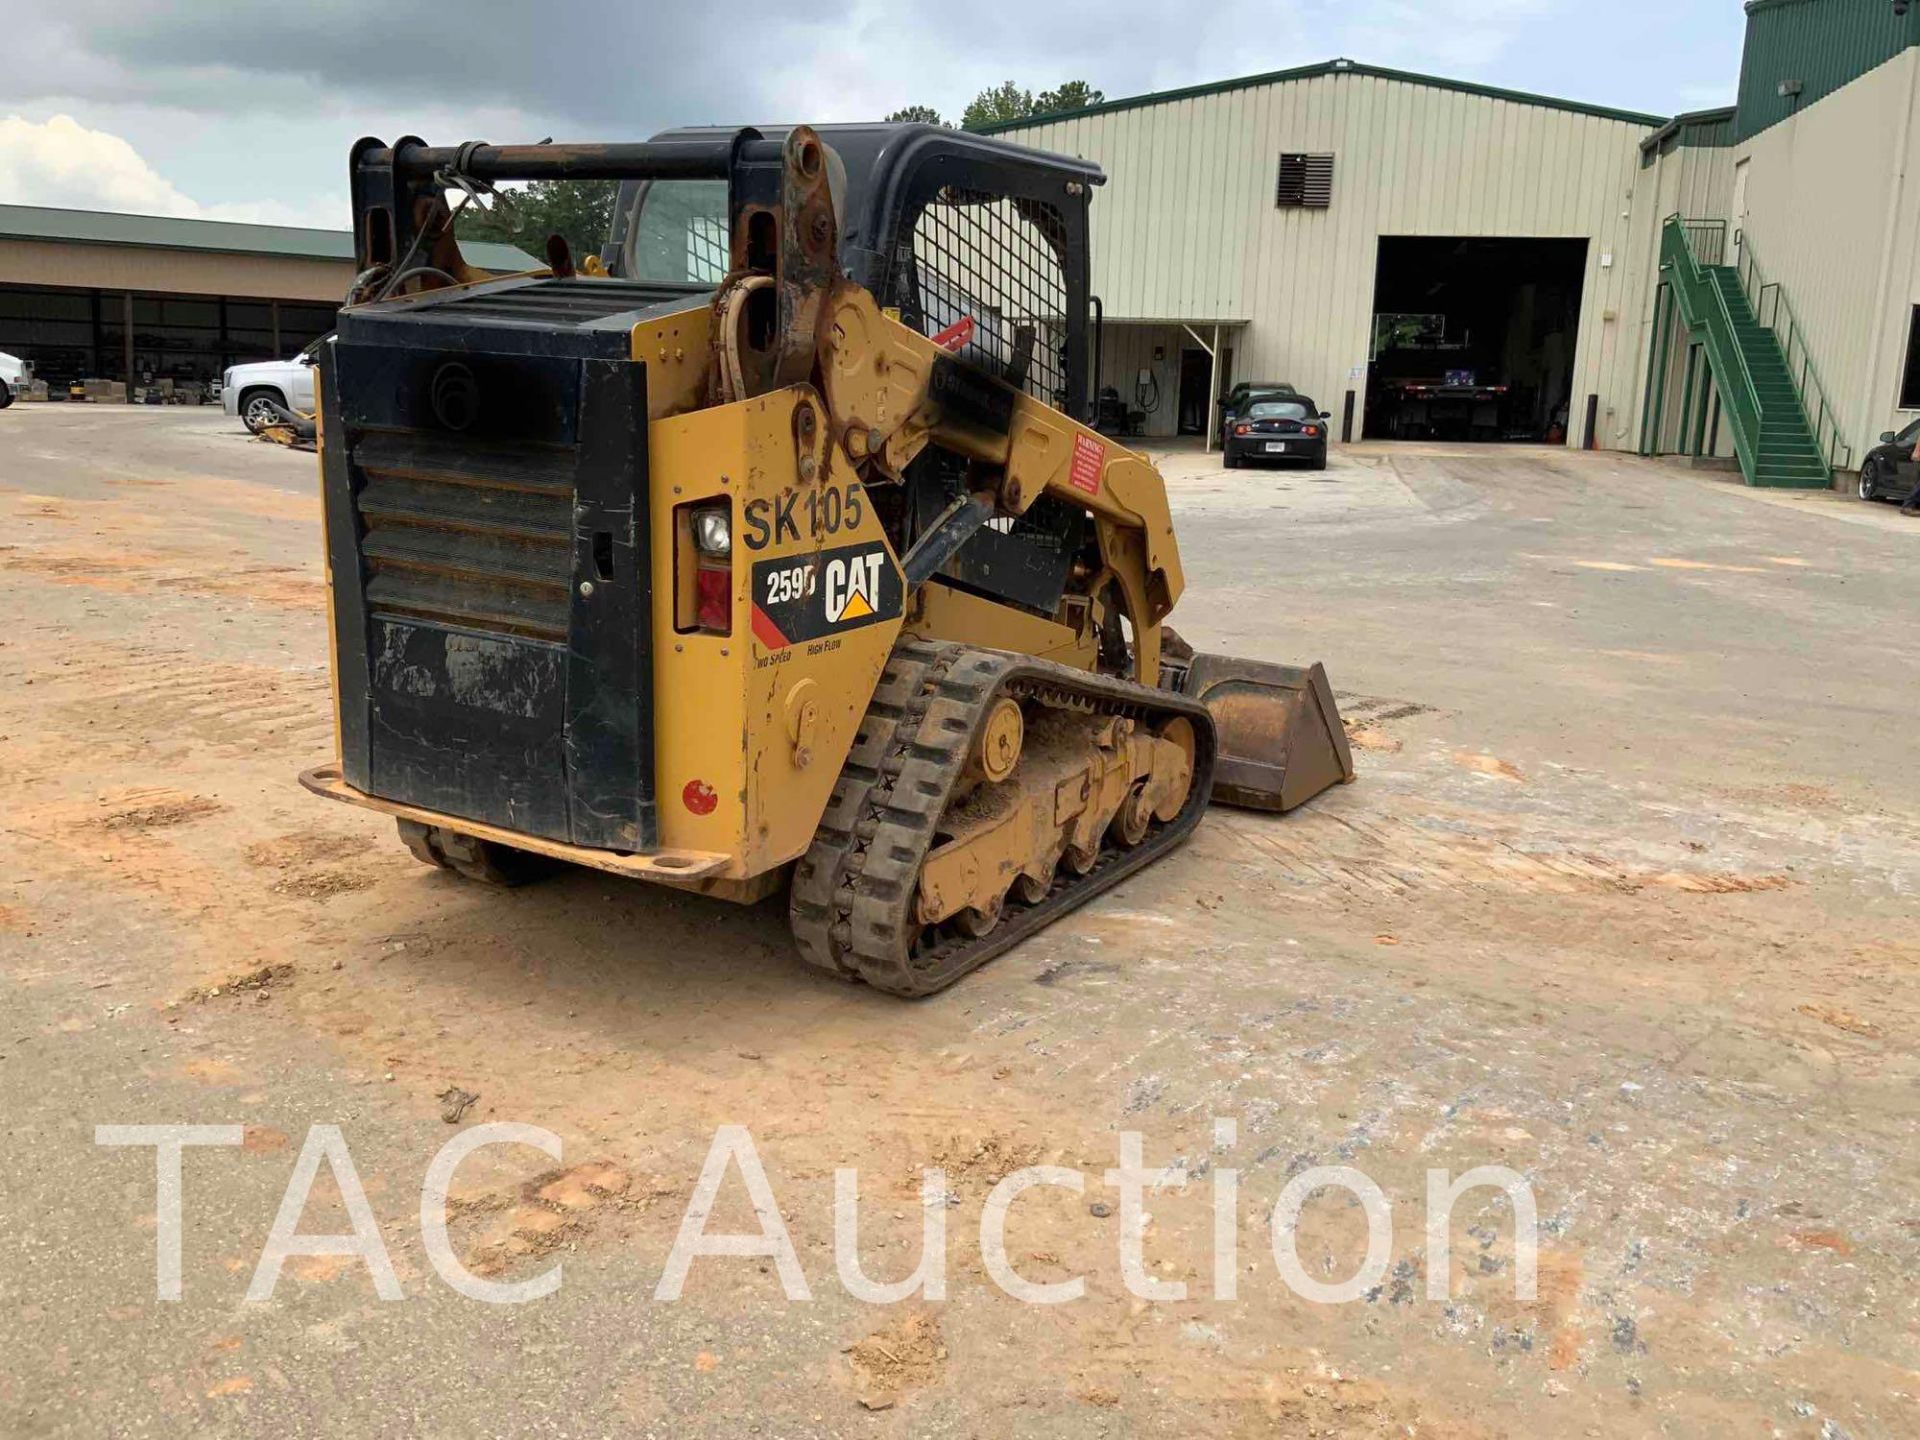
(101, 227)
(1697, 129)
(1332, 67)
(1812, 47)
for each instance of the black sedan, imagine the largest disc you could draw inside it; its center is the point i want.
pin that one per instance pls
(1888, 472)
(1243, 395)
(1278, 428)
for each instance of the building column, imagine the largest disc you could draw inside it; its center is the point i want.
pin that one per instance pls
(1657, 374)
(126, 339)
(1707, 388)
(1686, 399)
(273, 319)
(1213, 390)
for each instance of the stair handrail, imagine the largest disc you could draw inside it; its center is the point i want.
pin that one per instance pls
(1745, 389)
(1705, 236)
(1753, 280)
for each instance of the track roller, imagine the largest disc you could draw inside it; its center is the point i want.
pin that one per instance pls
(471, 858)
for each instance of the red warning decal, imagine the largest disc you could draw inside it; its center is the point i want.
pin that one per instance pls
(1089, 458)
(699, 797)
(957, 336)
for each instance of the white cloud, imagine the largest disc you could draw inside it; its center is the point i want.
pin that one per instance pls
(60, 162)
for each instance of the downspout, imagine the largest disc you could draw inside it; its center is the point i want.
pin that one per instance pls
(1865, 420)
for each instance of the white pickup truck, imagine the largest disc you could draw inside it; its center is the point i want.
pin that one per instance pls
(14, 374)
(251, 391)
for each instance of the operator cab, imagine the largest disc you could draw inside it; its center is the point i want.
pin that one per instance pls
(979, 244)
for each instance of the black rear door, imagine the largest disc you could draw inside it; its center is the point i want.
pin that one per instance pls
(487, 535)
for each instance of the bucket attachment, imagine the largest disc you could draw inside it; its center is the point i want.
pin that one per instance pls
(1281, 740)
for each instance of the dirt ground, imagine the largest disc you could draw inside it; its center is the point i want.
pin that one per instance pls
(1626, 899)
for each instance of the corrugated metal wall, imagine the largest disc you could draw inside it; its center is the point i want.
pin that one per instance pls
(1187, 225)
(183, 272)
(1126, 350)
(1696, 183)
(1830, 218)
(1820, 45)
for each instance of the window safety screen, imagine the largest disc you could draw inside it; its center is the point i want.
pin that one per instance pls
(1306, 182)
(680, 235)
(983, 277)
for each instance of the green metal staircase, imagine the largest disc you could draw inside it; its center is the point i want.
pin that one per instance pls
(1783, 430)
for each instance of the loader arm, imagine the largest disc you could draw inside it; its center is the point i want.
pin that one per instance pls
(891, 392)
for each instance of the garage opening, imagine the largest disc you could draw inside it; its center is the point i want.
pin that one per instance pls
(1473, 338)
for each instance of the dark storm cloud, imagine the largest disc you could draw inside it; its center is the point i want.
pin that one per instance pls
(620, 69)
(585, 69)
(615, 68)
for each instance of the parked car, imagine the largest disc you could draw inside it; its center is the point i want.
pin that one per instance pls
(1237, 399)
(1278, 427)
(252, 392)
(1888, 472)
(14, 375)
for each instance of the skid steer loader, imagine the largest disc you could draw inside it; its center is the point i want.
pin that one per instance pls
(764, 548)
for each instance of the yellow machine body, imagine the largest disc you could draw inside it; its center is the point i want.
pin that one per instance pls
(816, 697)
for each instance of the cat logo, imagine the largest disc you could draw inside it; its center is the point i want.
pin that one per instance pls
(797, 599)
(853, 587)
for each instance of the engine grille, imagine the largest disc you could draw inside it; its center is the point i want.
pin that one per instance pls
(467, 533)
(561, 304)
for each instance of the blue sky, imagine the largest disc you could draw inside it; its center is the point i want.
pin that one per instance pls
(245, 110)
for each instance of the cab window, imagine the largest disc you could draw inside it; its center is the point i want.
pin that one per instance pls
(680, 233)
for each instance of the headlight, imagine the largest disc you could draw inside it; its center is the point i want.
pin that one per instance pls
(713, 532)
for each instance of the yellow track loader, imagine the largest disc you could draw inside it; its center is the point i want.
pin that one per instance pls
(764, 547)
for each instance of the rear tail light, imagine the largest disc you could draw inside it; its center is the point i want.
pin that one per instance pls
(1310, 430)
(713, 532)
(703, 567)
(713, 600)
(1243, 429)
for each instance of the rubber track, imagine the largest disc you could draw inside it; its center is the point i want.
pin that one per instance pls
(855, 891)
(850, 823)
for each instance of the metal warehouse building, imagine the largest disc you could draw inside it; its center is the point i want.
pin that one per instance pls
(1433, 259)
(1317, 219)
(88, 294)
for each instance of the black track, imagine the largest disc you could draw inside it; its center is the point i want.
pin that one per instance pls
(856, 889)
